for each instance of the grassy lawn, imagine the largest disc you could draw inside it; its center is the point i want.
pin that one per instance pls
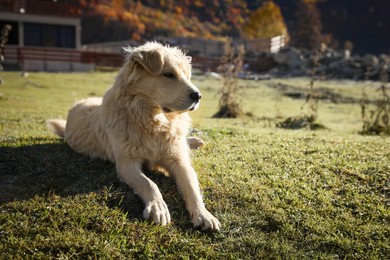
(278, 193)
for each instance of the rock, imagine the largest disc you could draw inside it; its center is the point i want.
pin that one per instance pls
(331, 63)
(347, 54)
(370, 61)
(383, 58)
(336, 64)
(214, 75)
(290, 57)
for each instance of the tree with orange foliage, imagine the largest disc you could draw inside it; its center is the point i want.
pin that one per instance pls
(265, 22)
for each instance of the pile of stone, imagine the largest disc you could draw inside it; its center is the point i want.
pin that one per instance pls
(326, 62)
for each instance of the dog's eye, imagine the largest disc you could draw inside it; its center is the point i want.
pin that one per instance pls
(169, 75)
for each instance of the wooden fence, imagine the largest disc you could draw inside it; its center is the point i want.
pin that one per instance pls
(207, 47)
(258, 64)
(58, 59)
(48, 54)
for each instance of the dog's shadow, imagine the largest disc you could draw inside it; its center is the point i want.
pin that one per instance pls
(46, 167)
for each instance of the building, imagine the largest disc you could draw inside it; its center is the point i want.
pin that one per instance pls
(45, 36)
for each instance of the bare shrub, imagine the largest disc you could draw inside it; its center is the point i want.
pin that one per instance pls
(309, 109)
(376, 120)
(231, 65)
(3, 40)
(308, 116)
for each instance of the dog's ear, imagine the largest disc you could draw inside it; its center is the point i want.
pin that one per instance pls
(152, 61)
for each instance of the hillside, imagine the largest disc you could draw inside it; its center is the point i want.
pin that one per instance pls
(361, 22)
(147, 19)
(365, 22)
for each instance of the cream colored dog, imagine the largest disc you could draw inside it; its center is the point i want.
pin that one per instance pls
(142, 120)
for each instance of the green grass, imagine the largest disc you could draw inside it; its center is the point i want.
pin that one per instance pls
(278, 193)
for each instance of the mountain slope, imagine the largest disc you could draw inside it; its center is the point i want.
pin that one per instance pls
(362, 22)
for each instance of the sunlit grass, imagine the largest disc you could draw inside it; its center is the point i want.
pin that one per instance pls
(278, 193)
(267, 105)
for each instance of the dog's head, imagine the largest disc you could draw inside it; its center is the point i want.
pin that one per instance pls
(162, 74)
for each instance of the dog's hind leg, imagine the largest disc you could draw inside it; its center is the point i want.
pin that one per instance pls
(57, 126)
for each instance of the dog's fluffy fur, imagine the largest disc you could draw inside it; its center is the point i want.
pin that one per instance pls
(142, 120)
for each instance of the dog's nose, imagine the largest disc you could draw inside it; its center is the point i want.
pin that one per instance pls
(195, 96)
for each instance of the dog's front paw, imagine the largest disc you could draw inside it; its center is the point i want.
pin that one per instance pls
(157, 211)
(204, 219)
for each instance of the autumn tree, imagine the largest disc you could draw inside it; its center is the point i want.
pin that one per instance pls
(265, 22)
(307, 26)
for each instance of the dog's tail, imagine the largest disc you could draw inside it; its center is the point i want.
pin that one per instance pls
(57, 126)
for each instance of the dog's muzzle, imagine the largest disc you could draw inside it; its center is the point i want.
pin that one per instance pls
(195, 96)
(190, 103)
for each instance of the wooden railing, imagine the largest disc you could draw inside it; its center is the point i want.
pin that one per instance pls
(205, 63)
(258, 64)
(21, 55)
(102, 59)
(49, 54)
(11, 53)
